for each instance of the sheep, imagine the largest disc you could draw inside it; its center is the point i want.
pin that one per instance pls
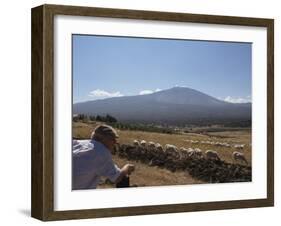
(136, 143)
(143, 143)
(190, 152)
(151, 145)
(169, 148)
(226, 145)
(183, 152)
(217, 143)
(194, 141)
(204, 142)
(198, 152)
(159, 147)
(183, 149)
(212, 155)
(239, 156)
(239, 146)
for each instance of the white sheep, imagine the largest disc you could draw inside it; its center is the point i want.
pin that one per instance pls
(159, 147)
(212, 155)
(194, 141)
(190, 152)
(136, 143)
(226, 145)
(217, 143)
(183, 149)
(170, 148)
(198, 152)
(151, 145)
(239, 146)
(183, 152)
(238, 156)
(143, 143)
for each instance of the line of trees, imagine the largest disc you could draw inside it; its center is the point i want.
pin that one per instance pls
(86, 118)
(142, 127)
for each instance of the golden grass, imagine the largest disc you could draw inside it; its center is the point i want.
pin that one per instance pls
(145, 175)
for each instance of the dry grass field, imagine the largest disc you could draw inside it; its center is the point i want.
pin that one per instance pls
(152, 175)
(149, 176)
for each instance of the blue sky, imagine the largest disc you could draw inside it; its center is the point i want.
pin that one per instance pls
(106, 66)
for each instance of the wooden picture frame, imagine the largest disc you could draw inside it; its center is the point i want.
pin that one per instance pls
(43, 111)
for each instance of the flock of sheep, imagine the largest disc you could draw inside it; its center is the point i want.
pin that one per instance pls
(205, 166)
(218, 144)
(190, 152)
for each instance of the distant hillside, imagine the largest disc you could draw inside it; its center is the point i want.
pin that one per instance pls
(175, 105)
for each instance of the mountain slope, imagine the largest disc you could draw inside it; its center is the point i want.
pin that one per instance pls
(175, 105)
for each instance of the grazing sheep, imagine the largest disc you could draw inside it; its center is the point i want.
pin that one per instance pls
(198, 152)
(194, 141)
(151, 145)
(212, 155)
(169, 148)
(159, 147)
(183, 153)
(143, 143)
(190, 152)
(239, 146)
(183, 149)
(238, 156)
(136, 143)
(217, 144)
(226, 145)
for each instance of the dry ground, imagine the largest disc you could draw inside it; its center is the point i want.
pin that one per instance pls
(152, 176)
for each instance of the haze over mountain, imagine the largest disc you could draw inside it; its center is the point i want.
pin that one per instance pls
(175, 105)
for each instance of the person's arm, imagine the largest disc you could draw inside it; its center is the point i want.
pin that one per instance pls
(126, 170)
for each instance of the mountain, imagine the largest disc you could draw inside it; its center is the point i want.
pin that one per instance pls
(175, 105)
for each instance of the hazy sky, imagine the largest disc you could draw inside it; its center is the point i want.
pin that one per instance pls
(106, 66)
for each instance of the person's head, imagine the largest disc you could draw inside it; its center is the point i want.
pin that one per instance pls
(106, 135)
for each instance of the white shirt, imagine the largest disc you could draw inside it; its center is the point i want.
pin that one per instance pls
(91, 160)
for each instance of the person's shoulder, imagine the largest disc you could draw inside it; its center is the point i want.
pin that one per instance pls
(82, 147)
(101, 149)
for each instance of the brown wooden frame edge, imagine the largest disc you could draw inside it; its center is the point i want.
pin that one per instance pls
(42, 197)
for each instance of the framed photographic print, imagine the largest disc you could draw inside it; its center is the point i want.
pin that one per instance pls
(142, 112)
